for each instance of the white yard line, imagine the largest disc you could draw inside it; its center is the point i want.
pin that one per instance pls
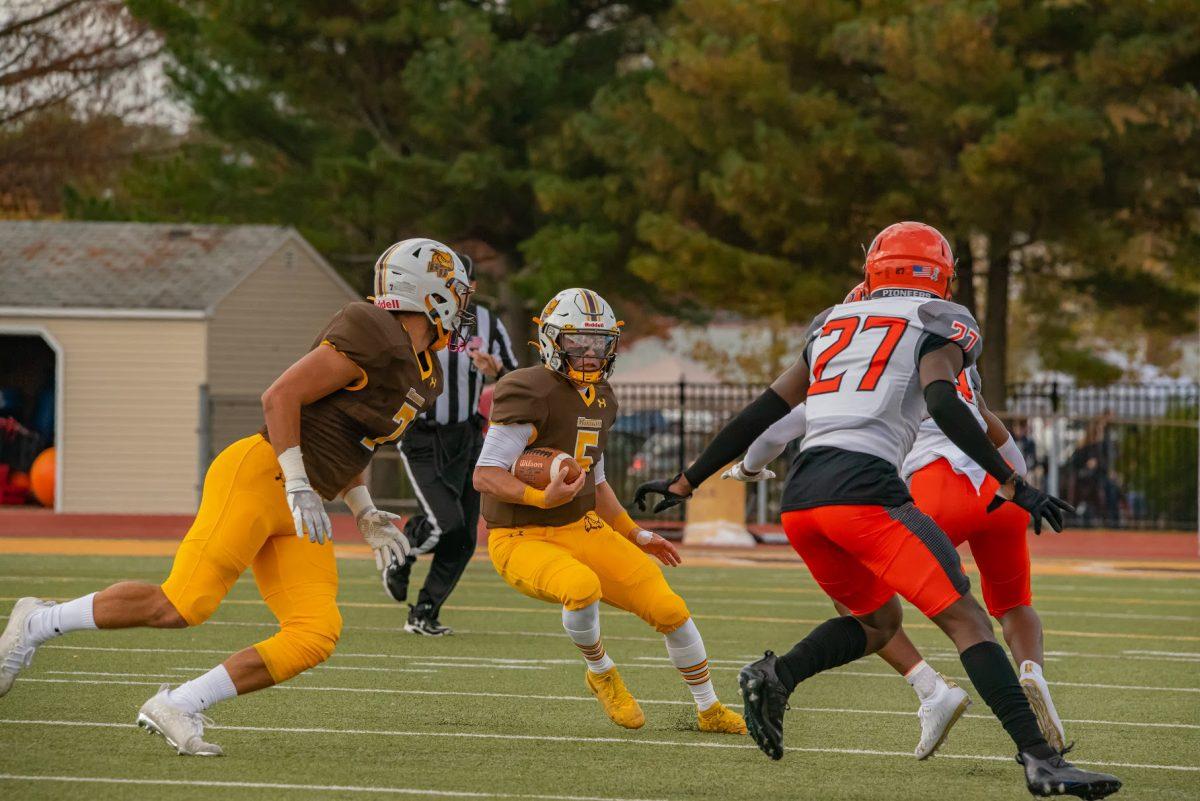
(874, 675)
(588, 699)
(569, 739)
(316, 788)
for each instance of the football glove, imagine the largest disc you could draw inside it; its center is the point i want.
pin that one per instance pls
(661, 487)
(379, 530)
(738, 473)
(308, 512)
(1039, 504)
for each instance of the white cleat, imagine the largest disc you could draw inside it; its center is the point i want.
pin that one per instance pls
(1038, 693)
(938, 714)
(184, 731)
(16, 652)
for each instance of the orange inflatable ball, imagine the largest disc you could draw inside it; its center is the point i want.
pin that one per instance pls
(41, 478)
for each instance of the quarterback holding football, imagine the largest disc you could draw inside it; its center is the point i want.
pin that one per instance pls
(560, 535)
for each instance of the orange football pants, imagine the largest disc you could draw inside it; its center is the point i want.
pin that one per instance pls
(244, 521)
(998, 539)
(863, 555)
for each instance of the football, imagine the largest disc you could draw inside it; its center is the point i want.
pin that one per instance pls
(536, 465)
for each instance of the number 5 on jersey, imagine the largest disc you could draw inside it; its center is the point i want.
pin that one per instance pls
(584, 441)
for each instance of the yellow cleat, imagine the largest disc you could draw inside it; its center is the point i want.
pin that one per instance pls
(720, 719)
(621, 707)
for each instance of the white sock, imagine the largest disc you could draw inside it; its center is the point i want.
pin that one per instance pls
(1029, 666)
(686, 649)
(583, 627)
(53, 621)
(200, 693)
(924, 680)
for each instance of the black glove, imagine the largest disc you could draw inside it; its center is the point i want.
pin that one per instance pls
(1039, 504)
(663, 488)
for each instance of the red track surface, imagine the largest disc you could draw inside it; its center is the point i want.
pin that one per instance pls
(1080, 544)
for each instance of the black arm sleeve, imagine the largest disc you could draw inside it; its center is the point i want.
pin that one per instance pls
(732, 440)
(956, 422)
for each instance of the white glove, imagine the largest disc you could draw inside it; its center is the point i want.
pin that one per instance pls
(380, 531)
(738, 473)
(378, 528)
(308, 512)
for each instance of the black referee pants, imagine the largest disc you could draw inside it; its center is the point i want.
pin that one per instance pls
(439, 460)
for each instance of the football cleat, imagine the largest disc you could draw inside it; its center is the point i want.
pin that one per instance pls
(395, 578)
(765, 702)
(16, 651)
(1038, 693)
(421, 621)
(183, 731)
(620, 706)
(720, 719)
(1057, 776)
(938, 714)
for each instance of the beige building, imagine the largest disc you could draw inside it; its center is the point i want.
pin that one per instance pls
(164, 336)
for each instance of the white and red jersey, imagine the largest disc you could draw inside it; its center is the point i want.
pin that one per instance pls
(864, 391)
(865, 402)
(932, 444)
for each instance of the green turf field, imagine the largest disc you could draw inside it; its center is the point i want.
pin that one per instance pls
(500, 710)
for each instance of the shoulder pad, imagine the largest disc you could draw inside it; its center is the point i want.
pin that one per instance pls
(954, 323)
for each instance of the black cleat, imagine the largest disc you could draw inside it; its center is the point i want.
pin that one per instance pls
(765, 701)
(421, 621)
(395, 579)
(1057, 776)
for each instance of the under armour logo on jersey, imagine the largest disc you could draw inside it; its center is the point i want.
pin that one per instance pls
(602, 403)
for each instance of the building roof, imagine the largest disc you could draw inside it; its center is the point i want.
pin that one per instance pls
(134, 267)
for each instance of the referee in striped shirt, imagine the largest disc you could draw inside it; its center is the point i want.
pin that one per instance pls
(439, 452)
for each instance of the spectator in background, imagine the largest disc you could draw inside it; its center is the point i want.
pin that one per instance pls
(439, 453)
(1091, 486)
(1019, 429)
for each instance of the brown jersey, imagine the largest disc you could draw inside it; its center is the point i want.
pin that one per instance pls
(564, 417)
(339, 432)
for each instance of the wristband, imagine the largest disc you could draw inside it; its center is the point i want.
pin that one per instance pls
(624, 525)
(358, 498)
(534, 497)
(292, 462)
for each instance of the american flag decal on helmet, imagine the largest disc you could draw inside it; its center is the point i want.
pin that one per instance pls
(925, 271)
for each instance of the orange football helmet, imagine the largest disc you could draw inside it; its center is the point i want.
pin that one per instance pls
(909, 255)
(858, 293)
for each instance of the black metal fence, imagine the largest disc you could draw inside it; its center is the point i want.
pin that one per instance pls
(1125, 455)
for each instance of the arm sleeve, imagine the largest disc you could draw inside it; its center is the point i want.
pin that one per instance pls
(501, 345)
(517, 400)
(598, 470)
(736, 436)
(960, 426)
(771, 442)
(503, 445)
(1012, 454)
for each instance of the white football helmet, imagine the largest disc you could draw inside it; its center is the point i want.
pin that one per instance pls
(577, 327)
(423, 275)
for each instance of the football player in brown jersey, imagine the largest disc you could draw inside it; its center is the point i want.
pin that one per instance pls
(370, 371)
(573, 544)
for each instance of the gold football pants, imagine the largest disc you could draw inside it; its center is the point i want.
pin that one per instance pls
(583, 562)
(244, 521)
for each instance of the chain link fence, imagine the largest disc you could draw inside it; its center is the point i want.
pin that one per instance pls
(1125, 455)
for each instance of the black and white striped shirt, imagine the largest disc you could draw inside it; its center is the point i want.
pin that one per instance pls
(464, 383)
